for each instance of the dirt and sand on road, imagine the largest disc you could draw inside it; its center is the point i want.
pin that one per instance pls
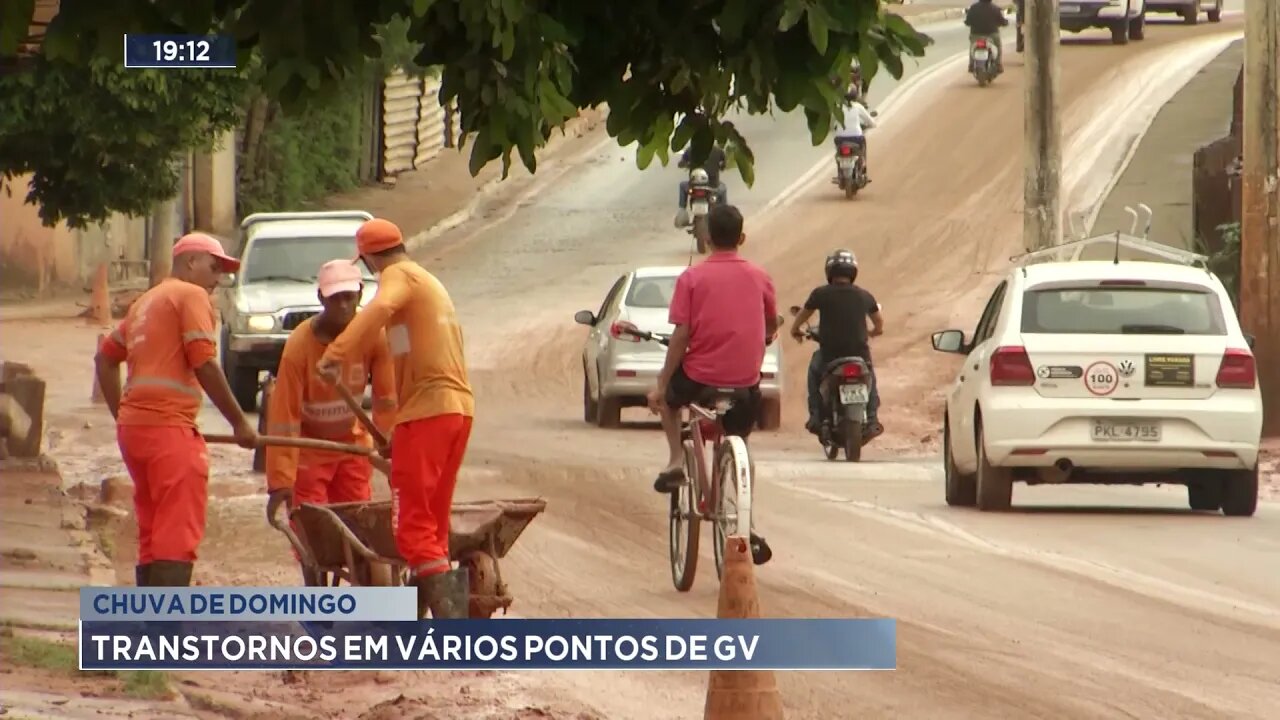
(1052, 613)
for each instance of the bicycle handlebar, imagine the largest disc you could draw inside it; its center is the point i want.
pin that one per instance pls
(627, 328)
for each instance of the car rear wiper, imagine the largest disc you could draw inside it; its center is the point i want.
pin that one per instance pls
(1138, 329)
(271, 278)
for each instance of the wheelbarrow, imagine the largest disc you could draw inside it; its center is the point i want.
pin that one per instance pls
(354, 543)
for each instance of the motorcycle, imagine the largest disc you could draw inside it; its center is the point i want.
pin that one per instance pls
(851, 173)
(983, 58)
(845, 393)
(701, 197)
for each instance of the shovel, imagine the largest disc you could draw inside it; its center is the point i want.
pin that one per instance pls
(310, 444)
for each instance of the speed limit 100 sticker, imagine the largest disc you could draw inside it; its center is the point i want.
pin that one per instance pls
(1101, 378)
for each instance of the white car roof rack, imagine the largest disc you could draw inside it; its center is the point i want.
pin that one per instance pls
(318, 215)
(1071, 251)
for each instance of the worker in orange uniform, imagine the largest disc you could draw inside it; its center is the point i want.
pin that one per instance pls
(167, 340)
(302, 405)
(436, 407)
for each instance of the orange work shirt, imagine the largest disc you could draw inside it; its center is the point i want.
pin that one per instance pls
(304, 405)
(425, 340)
(167, 334)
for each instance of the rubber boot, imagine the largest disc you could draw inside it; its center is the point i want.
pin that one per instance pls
(448, 594)
(142, 575)
(170, 573)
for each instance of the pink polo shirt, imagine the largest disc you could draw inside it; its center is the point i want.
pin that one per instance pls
(724, 301)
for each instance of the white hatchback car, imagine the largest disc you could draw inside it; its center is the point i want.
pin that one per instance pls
(1104, 372)
(619, 370)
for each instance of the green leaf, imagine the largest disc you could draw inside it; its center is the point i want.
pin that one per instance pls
(420, 7)
(731, 20)
(818, 28)
(15, 19)
(683, 132)
(795, 9)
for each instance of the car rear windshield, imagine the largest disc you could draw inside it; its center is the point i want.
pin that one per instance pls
(296, 258)
(1122, 311)
(651, 292)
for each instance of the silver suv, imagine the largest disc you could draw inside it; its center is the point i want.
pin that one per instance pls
(275, 290)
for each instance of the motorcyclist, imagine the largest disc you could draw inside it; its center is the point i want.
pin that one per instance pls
(984, 19)
(843, 309)
(714, 163)
(856, 119)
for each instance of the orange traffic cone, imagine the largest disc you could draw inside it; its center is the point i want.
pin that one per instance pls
(96, 396)
(741, 694)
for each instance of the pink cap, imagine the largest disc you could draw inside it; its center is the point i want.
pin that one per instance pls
(199, 242)
(339, 276)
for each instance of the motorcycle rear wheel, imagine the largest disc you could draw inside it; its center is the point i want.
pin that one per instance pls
(700, 233)
(852, 430)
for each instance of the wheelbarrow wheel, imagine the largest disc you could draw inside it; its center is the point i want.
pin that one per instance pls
(487, 592)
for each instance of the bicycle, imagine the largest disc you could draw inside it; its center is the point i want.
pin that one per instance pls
(730, 480)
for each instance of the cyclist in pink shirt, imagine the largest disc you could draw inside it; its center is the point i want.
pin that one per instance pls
(725, 313)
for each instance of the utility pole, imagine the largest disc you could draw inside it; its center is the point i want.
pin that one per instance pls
(1042, 188)
(160, 242)
(1260, 219)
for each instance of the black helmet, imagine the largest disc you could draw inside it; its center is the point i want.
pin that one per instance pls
(841, 263)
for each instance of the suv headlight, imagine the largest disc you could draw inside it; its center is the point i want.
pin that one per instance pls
(259, 323)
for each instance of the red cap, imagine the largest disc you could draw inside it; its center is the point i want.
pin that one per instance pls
(199, 242)
(377, 235)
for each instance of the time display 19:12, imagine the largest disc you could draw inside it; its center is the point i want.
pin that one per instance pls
(179, 51)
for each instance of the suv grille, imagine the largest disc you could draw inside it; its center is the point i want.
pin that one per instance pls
(294, 319)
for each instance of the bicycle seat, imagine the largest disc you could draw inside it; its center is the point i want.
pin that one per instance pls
(712, 397)
(835, 364)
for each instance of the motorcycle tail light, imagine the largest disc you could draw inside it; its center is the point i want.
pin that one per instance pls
(699, 194)
(851, 372)
(980, 43)
(846, 150)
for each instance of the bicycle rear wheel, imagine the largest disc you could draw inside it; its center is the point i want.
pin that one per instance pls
(733, 496)
(685, 525)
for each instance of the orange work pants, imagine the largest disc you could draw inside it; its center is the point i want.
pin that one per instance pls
(170, 470)
(426, 455)
(337, 481)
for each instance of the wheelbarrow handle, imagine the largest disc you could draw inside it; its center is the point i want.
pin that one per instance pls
(297, 442)
(304, 552)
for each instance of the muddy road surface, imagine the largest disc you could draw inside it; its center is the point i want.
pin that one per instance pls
(1083, 602)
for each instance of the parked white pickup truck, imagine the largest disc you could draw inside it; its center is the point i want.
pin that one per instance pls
(275, 290)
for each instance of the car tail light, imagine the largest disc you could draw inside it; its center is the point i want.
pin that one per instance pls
(846, 150)
(1238, 370)
(1011, 366)
(980, 43)
(1122, 283)
(616, 330)
(851, 371)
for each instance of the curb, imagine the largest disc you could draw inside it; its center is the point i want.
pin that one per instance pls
(933, 16)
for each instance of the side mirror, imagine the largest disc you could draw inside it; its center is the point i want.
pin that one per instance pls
(795, 310)
(1250, 339)
(584, 317)
(949, 341)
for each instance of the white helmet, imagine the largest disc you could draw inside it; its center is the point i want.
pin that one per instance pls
(699, 177)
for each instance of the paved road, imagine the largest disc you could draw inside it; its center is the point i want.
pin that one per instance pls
(1102, 612)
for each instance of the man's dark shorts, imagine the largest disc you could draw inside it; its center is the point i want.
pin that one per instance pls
(741, 418)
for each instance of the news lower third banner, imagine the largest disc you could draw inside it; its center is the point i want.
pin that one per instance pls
(371, 628)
